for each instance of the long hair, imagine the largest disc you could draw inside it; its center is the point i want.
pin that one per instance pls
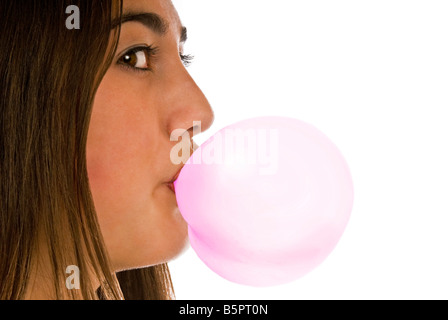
(49, 75)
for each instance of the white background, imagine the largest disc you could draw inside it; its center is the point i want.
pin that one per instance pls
(371, 75)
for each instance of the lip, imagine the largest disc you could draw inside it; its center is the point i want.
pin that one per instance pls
(170, 183)
(175, 176)
(170, 186)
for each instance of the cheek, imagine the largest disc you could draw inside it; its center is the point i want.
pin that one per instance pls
(113, 156)
(139, 218)
(119, 151)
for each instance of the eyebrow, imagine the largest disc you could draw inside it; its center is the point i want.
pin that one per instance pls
(150, 20)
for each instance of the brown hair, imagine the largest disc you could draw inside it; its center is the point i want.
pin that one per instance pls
(48, 79)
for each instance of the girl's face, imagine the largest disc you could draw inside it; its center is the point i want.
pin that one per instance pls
(145, 95)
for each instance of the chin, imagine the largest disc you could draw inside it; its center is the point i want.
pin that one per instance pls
(163, 242)
(152, 258)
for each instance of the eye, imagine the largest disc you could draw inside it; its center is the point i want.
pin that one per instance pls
(138, 58)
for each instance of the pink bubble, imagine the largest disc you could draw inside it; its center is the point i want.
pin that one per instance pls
(266, 200)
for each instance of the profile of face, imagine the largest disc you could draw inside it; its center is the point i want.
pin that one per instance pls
(144, 96)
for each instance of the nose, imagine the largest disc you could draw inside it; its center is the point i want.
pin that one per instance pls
(186, 105)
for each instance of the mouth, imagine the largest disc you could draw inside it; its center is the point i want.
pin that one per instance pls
(171, 187)
(170, 184)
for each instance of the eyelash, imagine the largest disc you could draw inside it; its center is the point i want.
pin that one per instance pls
(150, 52)
(187, 59)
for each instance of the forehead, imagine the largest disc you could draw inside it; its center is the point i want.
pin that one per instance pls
(164, 8)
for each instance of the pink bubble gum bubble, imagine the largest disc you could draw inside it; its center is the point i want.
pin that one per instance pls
(266, 200)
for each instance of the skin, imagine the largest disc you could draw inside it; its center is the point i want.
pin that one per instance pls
(128, 144)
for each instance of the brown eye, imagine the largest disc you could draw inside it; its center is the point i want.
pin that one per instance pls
(137, 58)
